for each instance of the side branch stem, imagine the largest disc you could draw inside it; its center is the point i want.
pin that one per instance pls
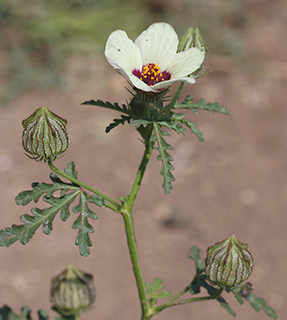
(180, 302)
(113, 205)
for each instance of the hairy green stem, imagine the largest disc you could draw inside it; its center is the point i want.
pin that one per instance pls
(113, 205)
(139, 176)
(130, 234)
(174, 99)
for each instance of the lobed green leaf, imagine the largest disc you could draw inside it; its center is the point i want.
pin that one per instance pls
(117, 122)
(71, 170)
(201, 105)
(156, 290)
(108, 105)
(194, 255)
(164, 157)
(259, 303)
(31, 223)
(68, 193)
(83, 239)
(6, 313)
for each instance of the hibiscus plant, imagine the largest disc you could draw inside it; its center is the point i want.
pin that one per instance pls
(151, 65)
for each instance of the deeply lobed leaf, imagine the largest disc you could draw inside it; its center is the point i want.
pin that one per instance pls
(164, 157)
(202, 105)
(68, 193)
(108, 105)
(156, 290)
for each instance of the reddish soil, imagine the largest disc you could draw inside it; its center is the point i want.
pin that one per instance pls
(233, 183)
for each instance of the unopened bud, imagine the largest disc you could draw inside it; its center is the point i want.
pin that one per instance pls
(191, 39)
(45, 135)
(228, 262)
(72, 291)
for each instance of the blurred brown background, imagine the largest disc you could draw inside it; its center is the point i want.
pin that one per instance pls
(234, 183)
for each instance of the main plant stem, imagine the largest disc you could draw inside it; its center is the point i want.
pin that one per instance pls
(130, 234)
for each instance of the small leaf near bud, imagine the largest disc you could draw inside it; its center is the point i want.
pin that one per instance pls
(228, 262)
(45, 135)
(72, 291)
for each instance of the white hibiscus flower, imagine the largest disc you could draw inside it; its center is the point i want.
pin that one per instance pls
(152, 63)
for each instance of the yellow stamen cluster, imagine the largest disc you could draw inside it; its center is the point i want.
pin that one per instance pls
(152, 73)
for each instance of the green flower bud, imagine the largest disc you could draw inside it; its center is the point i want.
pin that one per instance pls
(191, 39)
(228, 262)
(45, 135)
(72, 291)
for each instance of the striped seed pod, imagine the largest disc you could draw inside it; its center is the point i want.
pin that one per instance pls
(45, 135)
(72, 291)
(228, 262)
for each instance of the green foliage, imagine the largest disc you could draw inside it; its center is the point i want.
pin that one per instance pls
(108, 105)
(150, 117)
(201, 105)
(164, 157)
(194, 255)
(244, 292)
(83, 240)
(124, 109)
(68, 193)
(259, 303)
(156, 290)
(6, 313)
(240, 291)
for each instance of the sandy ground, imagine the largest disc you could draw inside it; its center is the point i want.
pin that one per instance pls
(233, 183)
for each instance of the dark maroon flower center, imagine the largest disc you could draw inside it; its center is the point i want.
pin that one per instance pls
(151, 74)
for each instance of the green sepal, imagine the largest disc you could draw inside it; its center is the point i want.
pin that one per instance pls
(83, 239)
(164, 157)
(201, 105)
(156, 290)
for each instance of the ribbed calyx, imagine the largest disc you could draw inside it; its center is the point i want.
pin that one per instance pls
(72, 291)
(45, 135)
(228, 262)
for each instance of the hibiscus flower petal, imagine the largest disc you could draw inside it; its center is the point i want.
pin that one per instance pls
(136, 82)
(185, 63)
(122, 53)
(158, 44)
(165, 84)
